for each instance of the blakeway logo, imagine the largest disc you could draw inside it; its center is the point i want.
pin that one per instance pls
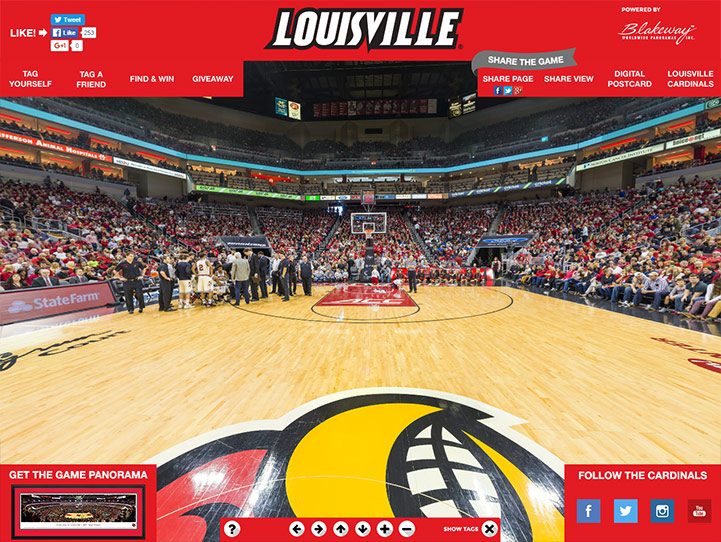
(649, 31)
(378, 28)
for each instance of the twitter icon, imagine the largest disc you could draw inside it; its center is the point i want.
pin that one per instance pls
(67, 19)
(625, 511)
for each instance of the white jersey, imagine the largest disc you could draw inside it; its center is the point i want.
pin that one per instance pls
(204, 268)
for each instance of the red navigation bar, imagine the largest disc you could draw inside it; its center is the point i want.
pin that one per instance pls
(521, 48)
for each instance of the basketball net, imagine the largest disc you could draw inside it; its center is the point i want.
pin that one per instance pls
(369, 234)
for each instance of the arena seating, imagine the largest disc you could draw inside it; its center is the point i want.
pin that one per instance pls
(663, 229)
(659, 227)
(451, 234)
(396, 245)
(569, 124)
(196, 225)
(295, 231)
(86, 230)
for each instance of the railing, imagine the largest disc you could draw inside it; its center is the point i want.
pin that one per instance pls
(161, 231)
(329, 236)
(709, 228)
(418, 239)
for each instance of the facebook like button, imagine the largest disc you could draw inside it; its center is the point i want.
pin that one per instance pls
(64, 33)
(67, 20)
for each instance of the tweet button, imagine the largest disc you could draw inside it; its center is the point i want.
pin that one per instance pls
(625, 511)
(61, 19)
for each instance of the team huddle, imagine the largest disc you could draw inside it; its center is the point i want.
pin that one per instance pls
(227, 277)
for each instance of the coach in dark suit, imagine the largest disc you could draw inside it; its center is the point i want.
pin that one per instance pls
(283, 276)
(292, 274)
(264, 264)
(44, 280)
(306, 275)
(254, 272)
(166, 285)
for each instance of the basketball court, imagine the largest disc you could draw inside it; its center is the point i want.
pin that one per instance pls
(362, 401)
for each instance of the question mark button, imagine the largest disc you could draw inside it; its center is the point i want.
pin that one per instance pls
(232, 529)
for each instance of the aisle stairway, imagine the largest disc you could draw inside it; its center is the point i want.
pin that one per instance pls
(417, 238)
(493, 228)
(331, 232)
(254, 222)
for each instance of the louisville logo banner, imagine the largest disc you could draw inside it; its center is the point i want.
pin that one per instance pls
(380, 452)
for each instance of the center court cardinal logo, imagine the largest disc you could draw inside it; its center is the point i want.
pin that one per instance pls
(381, 452)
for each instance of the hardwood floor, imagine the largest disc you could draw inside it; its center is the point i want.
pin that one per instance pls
(594, 386)
(359, 399)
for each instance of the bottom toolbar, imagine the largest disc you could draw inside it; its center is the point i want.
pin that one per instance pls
(366, 529)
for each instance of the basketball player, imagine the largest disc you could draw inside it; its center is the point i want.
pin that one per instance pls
(220, 284)
(183, 271)
(204, 270)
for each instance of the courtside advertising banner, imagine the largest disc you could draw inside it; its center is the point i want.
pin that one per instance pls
(523, 48)
(19, 305)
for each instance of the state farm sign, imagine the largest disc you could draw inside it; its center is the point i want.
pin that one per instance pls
(20, 305)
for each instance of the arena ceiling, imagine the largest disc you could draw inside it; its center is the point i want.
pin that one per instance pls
(308, 82)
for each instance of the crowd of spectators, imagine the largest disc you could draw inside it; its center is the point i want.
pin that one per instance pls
(452, 234)
(86, 234)
(677, 165)
(195, 225)
(396, 245)
(295, 231)
(656, 255)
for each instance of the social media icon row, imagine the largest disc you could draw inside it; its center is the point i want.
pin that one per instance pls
(626, 511)
(507, 91)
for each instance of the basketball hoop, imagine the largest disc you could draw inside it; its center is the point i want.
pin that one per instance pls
(369, 233)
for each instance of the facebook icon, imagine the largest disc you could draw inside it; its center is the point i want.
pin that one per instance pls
(497, 91)
(57, 32)
(588, 511)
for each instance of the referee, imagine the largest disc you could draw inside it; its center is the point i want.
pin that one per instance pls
(412, 278)
(306, 275)
(129, 271)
